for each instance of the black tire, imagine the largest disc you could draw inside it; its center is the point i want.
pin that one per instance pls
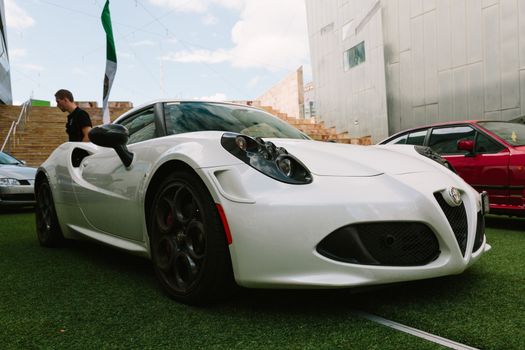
(188, 244)
(47, 226)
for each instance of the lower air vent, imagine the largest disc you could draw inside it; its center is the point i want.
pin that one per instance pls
(480, 232)
(384, 243)
(457, 218)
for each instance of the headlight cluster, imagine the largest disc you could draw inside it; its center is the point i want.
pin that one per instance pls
(267, 158)
(5, 181)
(429, 153)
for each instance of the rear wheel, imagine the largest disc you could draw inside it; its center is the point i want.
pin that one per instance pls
(47, 226)
(188, 244)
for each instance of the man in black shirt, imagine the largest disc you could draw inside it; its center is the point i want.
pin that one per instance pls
(78, 121)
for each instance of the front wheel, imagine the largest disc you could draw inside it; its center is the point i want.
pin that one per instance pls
(188, 245)
(47, 226)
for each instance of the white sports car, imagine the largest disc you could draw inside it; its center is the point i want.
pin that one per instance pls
(218, 193)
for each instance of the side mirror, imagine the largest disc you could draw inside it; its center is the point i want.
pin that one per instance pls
(466, 145)
(113, 136)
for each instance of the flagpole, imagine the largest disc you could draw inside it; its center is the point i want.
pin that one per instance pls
(111, 61)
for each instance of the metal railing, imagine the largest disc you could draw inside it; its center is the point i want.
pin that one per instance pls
(17, 125)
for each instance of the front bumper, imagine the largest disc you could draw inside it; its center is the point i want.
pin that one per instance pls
(276, 227)
(17, 196)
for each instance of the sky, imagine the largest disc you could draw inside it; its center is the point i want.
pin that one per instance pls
(181, 49)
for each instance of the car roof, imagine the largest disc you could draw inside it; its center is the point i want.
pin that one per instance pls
(167, 100)
(471, 122)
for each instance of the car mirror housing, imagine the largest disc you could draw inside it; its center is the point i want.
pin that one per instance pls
(113, 136)
(466, 145)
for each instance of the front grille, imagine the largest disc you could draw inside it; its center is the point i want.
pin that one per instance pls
(480, 232)
(457, 218)
(383, 243)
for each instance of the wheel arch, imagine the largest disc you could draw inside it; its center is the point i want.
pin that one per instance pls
(40, 176)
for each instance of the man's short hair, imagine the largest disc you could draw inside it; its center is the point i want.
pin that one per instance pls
(63, 93)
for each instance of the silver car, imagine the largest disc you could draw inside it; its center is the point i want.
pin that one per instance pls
(16, 182)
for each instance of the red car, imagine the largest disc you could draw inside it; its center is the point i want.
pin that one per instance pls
(489, 155)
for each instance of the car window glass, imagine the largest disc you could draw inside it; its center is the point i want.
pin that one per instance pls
(513, 133)
(401, 140)
(141, 127)
(416, 138)
(203, 116)
(6, 159)
(445, 140)
(485, 144)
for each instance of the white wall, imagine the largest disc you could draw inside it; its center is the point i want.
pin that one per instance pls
(444, 60)
(352, 100)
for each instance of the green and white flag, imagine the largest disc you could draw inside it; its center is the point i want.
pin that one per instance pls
(111, 61)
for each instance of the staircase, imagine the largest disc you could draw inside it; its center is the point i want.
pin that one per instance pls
(317, 130)
(43, 131)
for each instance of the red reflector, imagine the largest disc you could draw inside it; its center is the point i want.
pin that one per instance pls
(225, 224)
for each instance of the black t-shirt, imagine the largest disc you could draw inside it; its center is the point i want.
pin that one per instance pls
(76, 121)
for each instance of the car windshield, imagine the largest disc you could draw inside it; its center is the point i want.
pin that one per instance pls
(513, 133)
(201, 116)
(6, 159)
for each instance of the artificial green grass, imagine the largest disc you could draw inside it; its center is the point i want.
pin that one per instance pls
(86, 295)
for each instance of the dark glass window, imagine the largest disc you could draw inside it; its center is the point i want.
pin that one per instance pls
(485, 144)
(141, 126)
(7, 159)
(513, 133)
(445, 140)
(354, 56)
(202, 116)
(401, 140)
(416, 138)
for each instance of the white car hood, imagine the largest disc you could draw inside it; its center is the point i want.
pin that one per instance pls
(17, 172)
(332, 159)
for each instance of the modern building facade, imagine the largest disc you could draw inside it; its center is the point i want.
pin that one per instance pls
(381, 66)
(309, 101)
(5, 74)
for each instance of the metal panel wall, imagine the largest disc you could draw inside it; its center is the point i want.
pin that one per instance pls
(353, 100)
(444, 60)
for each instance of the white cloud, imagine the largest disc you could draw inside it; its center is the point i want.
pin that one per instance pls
(219, 96)
(172, 40)
(271, 34)
(79, 71)
(198, 6)
(231, 4)
(17, 53)
(198, 56)
(17, 17)
(123, 54)
(31, 67)
(210, 19)
(254, 81)
(143, 43)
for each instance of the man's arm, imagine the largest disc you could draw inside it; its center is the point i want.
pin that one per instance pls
(85, 132)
